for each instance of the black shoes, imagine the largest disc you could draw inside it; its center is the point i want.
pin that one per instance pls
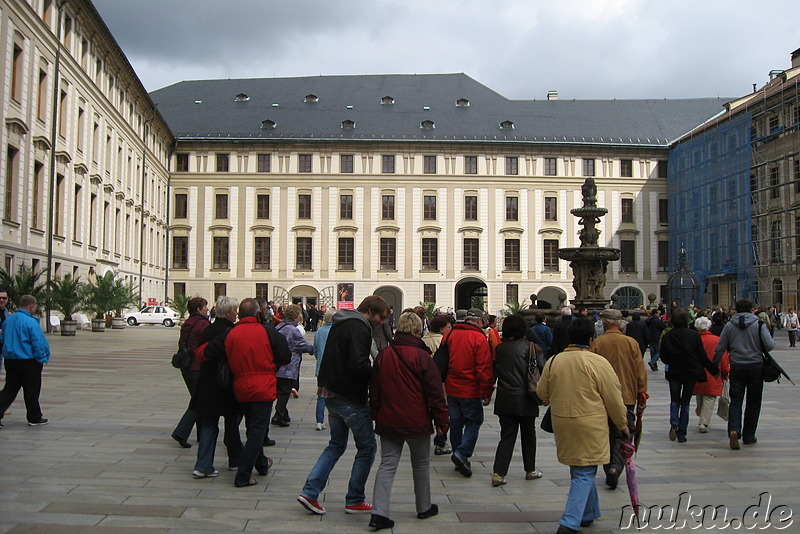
(379, 522)
(462, 465)
(565, 530)
(434, 509)
(280, 422)
(264, 469)
(182, 442)
(38, 422)
(612, 478)
(653, 367)
(587, 522)
(245, 483)
(269, 442)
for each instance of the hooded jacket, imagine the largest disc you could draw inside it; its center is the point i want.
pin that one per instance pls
(346, 367)
(469, 374)
(740, 338)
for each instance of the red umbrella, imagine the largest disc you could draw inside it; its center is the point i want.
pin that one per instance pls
(627, 451)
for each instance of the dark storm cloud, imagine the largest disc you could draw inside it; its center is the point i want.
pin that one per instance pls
(520, 48)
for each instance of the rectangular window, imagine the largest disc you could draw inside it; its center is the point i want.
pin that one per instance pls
(776, 254)
(346, 163)
(220, 290)
(662, 168)
(663, 256)
(182, 162)
(797, 239)
(429, 292)
(588, 167)
(180, 252)
(774, 182)
(550, 208)
(663, 211)
(388, 260)
(178, 289)
(303, 255)
(41, 95)
(626, 168)
(470, 164)
(512, 208)
(512, 165)
(430, 253)
(387, 207)
(262, 290)
(346, 253)
(550, 255)
(261, 253)
(62, 114)
(11, 183)
(512, 293)
(796, 173)
(304, 163)
(38, 201)
(304, 206)
(471, 254)
(16, 73)
(388, 164)
(220, 253)
(429, 165)
(550, 167)
(627, 259)
(223, 162)
(512, 255)
(264, 163)
(181, 205)
(345, 206)
(429, 207)
(221, 206)
(627, 210)
(262, 206)
(470, 208)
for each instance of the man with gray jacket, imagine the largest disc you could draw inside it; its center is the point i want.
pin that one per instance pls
(745, 339)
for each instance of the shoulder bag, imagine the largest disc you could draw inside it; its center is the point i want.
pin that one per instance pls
(442, 358)
(772, 372)
(547, 419)
(183, 358)
(533, 371)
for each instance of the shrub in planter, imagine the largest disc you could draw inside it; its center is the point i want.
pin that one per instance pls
(100, 297)
(68, 296)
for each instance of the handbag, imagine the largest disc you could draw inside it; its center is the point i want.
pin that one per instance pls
(772, 371)
(183, 358)
(224, 375)
(533, 371)
(547, 422)
(442, 358)
(724, 402)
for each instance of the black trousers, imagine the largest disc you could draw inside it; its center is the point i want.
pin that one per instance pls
(285, 386)
(747, 387)
(510, 424)
(25, 375)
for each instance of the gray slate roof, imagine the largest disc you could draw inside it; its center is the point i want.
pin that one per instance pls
(207, 109)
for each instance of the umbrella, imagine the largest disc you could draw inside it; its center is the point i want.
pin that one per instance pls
(627, 452)
(637, 432)
(770, 361)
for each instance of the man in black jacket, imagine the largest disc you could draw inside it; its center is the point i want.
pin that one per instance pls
(560, 337)
(344, 381)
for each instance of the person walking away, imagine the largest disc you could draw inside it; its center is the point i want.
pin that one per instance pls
(210, 401)
(707, 392)
(343, 381)
(265, 316)
(683, 352)
(637, 329)
(191, 334)
(765, 318)
(583, 392)
(541, 334)
(745, 339)
(791, 325)
(383, 335)
(25, 352)
(560, 339)
(469, 386)
(289, 375)
(320, 338)
(625, 357)
(440, 326)
(654, 328)
(405, 394)
(4, 314)
(254, 352)
(717, 323)
(492, 334)
(516, 410)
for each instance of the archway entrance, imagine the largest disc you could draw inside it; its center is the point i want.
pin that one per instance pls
(471, 293)
(394, 297)
(547, 298)
(303, 295)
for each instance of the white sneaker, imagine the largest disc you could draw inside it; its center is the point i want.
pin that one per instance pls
(320, 426)
(703, 429)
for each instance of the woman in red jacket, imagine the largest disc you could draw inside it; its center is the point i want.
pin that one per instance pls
(707, 392)
(405, 393)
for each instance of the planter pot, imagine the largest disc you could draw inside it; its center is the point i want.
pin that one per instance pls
(99, 325)
(117, 323)
(68, 328)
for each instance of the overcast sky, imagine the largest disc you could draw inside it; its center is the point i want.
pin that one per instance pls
(584, 49)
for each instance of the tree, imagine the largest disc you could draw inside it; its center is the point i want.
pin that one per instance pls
(67, 295)
(180, 304)
(25, 281)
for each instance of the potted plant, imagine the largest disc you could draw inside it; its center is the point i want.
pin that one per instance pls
(125, 296)
(67, 295)
(99, 299)
(180, 304)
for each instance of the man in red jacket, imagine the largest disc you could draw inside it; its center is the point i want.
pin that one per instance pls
(469, 386)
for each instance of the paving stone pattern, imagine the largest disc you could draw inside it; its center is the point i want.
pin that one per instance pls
(106, 463)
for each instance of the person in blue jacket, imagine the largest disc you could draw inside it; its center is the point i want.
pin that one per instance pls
(25, 351)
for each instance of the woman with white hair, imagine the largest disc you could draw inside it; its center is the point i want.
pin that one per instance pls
(707, 392)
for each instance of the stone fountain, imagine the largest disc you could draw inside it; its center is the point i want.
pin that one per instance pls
(589, 262)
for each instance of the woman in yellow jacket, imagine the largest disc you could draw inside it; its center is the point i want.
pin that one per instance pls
(583, 392)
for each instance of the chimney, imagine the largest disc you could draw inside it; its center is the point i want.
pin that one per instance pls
(552, 95)
(796, 58)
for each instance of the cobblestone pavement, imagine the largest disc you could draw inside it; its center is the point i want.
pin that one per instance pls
(106, 462)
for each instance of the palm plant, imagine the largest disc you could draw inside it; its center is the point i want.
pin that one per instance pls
(100, 295)
(180, 304)
(125, 296)
(25, 281)
(430, 307)
(67, 295)
(514, 307)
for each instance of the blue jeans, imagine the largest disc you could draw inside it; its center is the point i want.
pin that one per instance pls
(751, 382)
(344, 416)
(466, 418)
(256, 419)
(320, 414)
(654, 355)
(680, 394)
(208, 429)
(582, 501)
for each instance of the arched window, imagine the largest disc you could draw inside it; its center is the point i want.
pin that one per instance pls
(777, 291)
(347, 124)
(629, 297)
(387, 100)
(311, 98)
(427, 125)
(462, 103)
(507, 125)
(241, 97)
(267, 123)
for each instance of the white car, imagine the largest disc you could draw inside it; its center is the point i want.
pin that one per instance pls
(153, 315)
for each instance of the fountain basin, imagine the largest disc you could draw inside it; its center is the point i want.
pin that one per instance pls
(589, 253)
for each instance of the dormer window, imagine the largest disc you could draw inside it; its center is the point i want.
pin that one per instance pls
(462, 103)
(268, 123)
(241, 97)
(348, 124)
(387, 100)
(311, 98)
(427, 125)
(507, 125)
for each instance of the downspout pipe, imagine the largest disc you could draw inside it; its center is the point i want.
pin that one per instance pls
(166, 234)
(144, 189)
